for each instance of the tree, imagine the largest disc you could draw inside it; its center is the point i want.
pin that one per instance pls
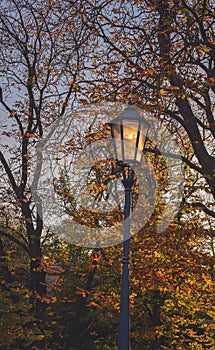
(19, 328)
(173, 287)
(160, 54)
(43, 50)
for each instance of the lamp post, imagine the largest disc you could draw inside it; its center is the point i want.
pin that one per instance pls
(128, 132)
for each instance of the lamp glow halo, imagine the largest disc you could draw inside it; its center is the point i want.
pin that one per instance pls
(71, 208)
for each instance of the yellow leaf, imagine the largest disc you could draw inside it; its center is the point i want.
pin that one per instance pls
(162, 92)
(40, 337)
(206, 49)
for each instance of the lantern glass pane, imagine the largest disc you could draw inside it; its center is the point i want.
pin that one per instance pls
(130, 133)
(116, 134)
(141, 143)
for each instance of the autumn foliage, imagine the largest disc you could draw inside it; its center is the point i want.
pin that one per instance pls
(57, 56)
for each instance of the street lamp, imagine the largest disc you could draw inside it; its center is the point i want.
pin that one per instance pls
(128, 132)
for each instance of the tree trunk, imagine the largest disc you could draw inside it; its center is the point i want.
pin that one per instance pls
(72, 340)
(38, 287)
(37, 276)
(156, 317)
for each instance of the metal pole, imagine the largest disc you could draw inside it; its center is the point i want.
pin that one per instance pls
(124, 329)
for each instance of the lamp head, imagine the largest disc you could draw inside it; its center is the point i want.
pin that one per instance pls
(129, 132)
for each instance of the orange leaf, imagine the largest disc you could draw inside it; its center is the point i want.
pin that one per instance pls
(92, 303)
